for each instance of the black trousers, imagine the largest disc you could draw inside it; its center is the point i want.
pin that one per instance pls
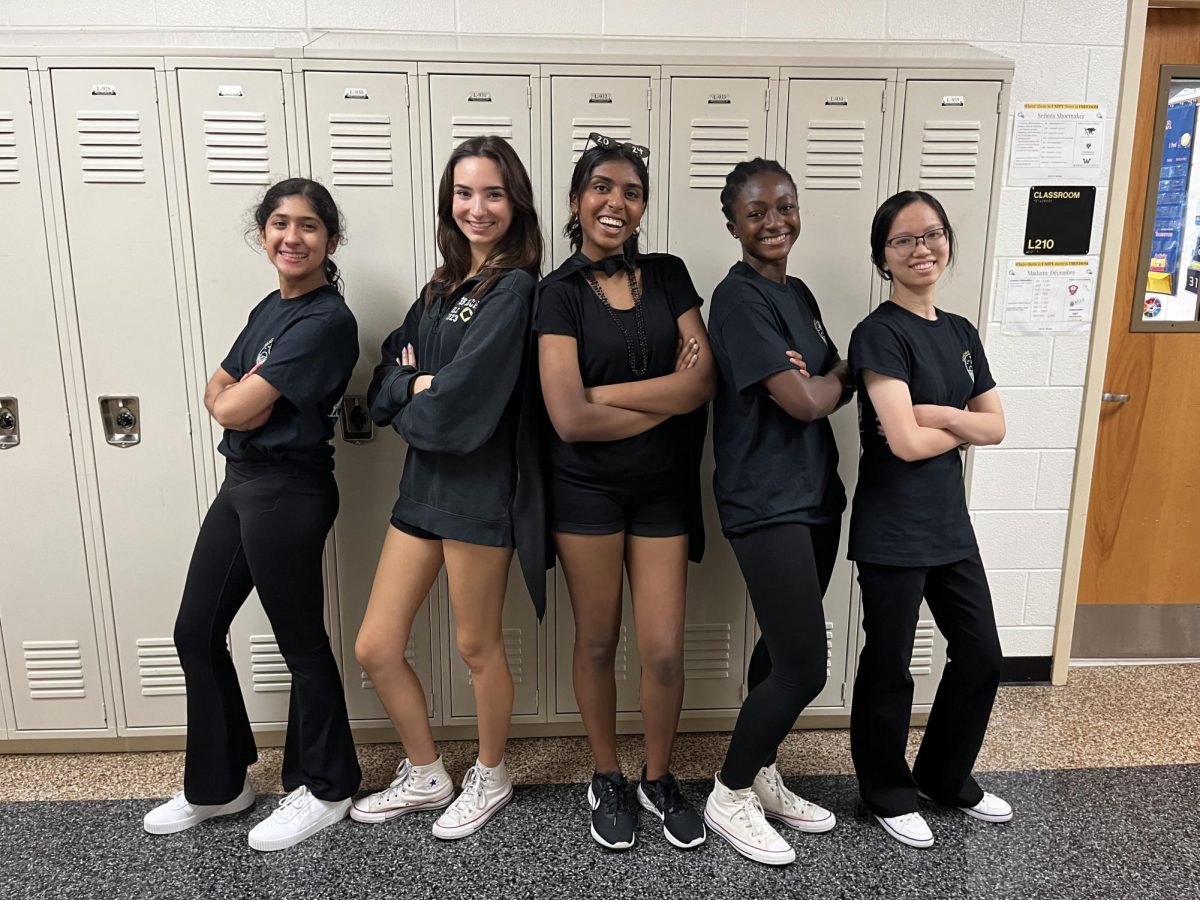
(787, 569)
(265, 530)
(958, 596)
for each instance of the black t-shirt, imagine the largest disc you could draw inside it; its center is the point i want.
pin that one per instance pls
(914, 513)
(770, 468)
(569, 306)
(307, 346)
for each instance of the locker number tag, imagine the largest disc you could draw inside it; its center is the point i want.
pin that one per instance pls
(836, 101)
(104, 90)
(479, 97)
(720, 98)
(230, 90)
(954, 100)
(356, 94)
(600, 97)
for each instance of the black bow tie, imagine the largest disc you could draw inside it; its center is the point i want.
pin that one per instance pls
(611, 265)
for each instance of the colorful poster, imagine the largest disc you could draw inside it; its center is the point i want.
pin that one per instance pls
(1170, 212)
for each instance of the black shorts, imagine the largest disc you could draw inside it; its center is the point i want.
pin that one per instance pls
(421, 533)
(644, 505)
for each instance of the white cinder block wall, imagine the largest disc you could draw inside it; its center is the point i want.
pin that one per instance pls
(1065, 50)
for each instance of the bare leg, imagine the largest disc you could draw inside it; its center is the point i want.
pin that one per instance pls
(407, 568)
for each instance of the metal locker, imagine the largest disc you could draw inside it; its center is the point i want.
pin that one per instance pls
(627, 669)
(928, 657)
(359, 146)
(834, 151)
(234, 147)
(111, 166)
(948, 148)
(46, 614)
(618, 107)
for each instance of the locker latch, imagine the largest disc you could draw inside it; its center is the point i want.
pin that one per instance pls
(10, 423)
(122, 421)
(357, 427)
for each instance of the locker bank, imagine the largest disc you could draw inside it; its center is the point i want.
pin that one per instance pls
(125, 180)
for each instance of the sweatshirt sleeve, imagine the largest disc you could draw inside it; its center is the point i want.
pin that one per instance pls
(463, 407)
(389, 390)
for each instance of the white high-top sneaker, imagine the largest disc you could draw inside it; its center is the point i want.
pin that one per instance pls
(414, 787)
(484, 792)
(299, 815)
(738, 817)
(179, 815)
(791, 809)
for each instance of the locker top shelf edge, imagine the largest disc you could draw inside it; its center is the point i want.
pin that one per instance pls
(103, 43)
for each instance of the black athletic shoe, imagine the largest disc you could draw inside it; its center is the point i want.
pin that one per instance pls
(682, 825)
(612, 819)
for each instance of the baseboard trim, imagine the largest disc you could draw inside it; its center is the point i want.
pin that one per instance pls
(1026, 670)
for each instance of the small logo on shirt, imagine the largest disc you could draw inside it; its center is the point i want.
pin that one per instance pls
(337, 409)
(969, 364)
(265, 353)
(820, 329)
(463, 311)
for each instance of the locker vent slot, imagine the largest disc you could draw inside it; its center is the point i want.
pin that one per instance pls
(159, 670)
(463, 127)
(235, 145)
(514, 649)
(949, 155)
(269, 672)
(922, 655)
(717, 145)
(834, 154)
(110, 146)
(54, 670)
(620, 130)
(10, 170)
(828, 649)
(621, 658)
(360, 148)
(706, 651)
(410, 653)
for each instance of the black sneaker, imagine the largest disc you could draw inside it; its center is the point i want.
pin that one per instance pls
(682, 825)
(612, 819)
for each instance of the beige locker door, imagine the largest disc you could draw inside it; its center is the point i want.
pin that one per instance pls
(45, 604)
(121, 261)
(833, 148)
(928, 658)
(235, 146)
(715, 124)
(947, 149)
(627, 669)
(358, 145)
(579, 105)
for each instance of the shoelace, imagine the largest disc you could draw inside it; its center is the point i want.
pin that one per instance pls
(472, 796)
(290, 805)
(672, 798)
(611, 797)
(907, 819)
(399, 783)
(786, 797)
(179, 801)
(751, 812)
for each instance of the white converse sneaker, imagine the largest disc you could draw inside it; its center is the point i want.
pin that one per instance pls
(990, 809)
(179, 815)
(413, 788)
(484, 792)
(909, 829)
(299, 815)
(792, 810)
(737, 816)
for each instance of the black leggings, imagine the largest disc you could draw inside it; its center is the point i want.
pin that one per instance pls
(265, 530)
(787, 569)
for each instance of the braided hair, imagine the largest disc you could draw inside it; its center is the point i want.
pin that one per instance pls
(743, 172)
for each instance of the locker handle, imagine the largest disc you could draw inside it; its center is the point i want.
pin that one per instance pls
(121, 417)
(10, 423)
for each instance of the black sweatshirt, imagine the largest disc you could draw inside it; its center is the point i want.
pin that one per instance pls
(462, 471)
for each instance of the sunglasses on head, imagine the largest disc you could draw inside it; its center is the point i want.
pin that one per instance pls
(602, 140)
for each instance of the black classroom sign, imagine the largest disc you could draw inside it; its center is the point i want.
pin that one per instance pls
(1059, 220)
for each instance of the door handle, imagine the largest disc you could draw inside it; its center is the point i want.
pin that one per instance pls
(122, 421)
(1114, 398)
(10, 423)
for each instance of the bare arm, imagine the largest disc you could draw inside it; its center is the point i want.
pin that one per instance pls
(239, 405)
(808, 398)
(906, 438)
(981, 423)
(571, 414)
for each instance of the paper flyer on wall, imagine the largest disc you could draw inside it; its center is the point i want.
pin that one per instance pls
(1057, 142)
(1048, 296)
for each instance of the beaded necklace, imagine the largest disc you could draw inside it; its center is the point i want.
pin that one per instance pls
(639, 320)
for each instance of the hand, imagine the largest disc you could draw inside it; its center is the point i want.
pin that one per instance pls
(408, 357)
(420, 383)
(798, 361)
(929, 415)
(686, 354)
(841, 371)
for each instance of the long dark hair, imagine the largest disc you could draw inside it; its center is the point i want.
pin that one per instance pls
(743, 172)
(319, 199)
(881, 225)
(519, 248)
(592, 157)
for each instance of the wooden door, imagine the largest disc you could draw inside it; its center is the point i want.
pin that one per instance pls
(1142, 545)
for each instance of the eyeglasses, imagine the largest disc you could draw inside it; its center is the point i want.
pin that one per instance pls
(601, 140)
(933, 239)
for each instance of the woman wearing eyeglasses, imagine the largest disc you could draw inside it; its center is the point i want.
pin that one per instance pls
(925, 392)
(626, 374)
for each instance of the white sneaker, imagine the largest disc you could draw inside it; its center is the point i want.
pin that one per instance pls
(413, 788)
(990, 809)
(179, 815)
(792, 810)
(738, 817)
(484, 792)
(909, 829)
(299, 815)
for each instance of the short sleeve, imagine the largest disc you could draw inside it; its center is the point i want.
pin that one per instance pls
(984, 381)
(558, 310)
(820, 321)
(677, 284)
(751, 340)
(876, 347)
(313, 357)
(232, 363)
